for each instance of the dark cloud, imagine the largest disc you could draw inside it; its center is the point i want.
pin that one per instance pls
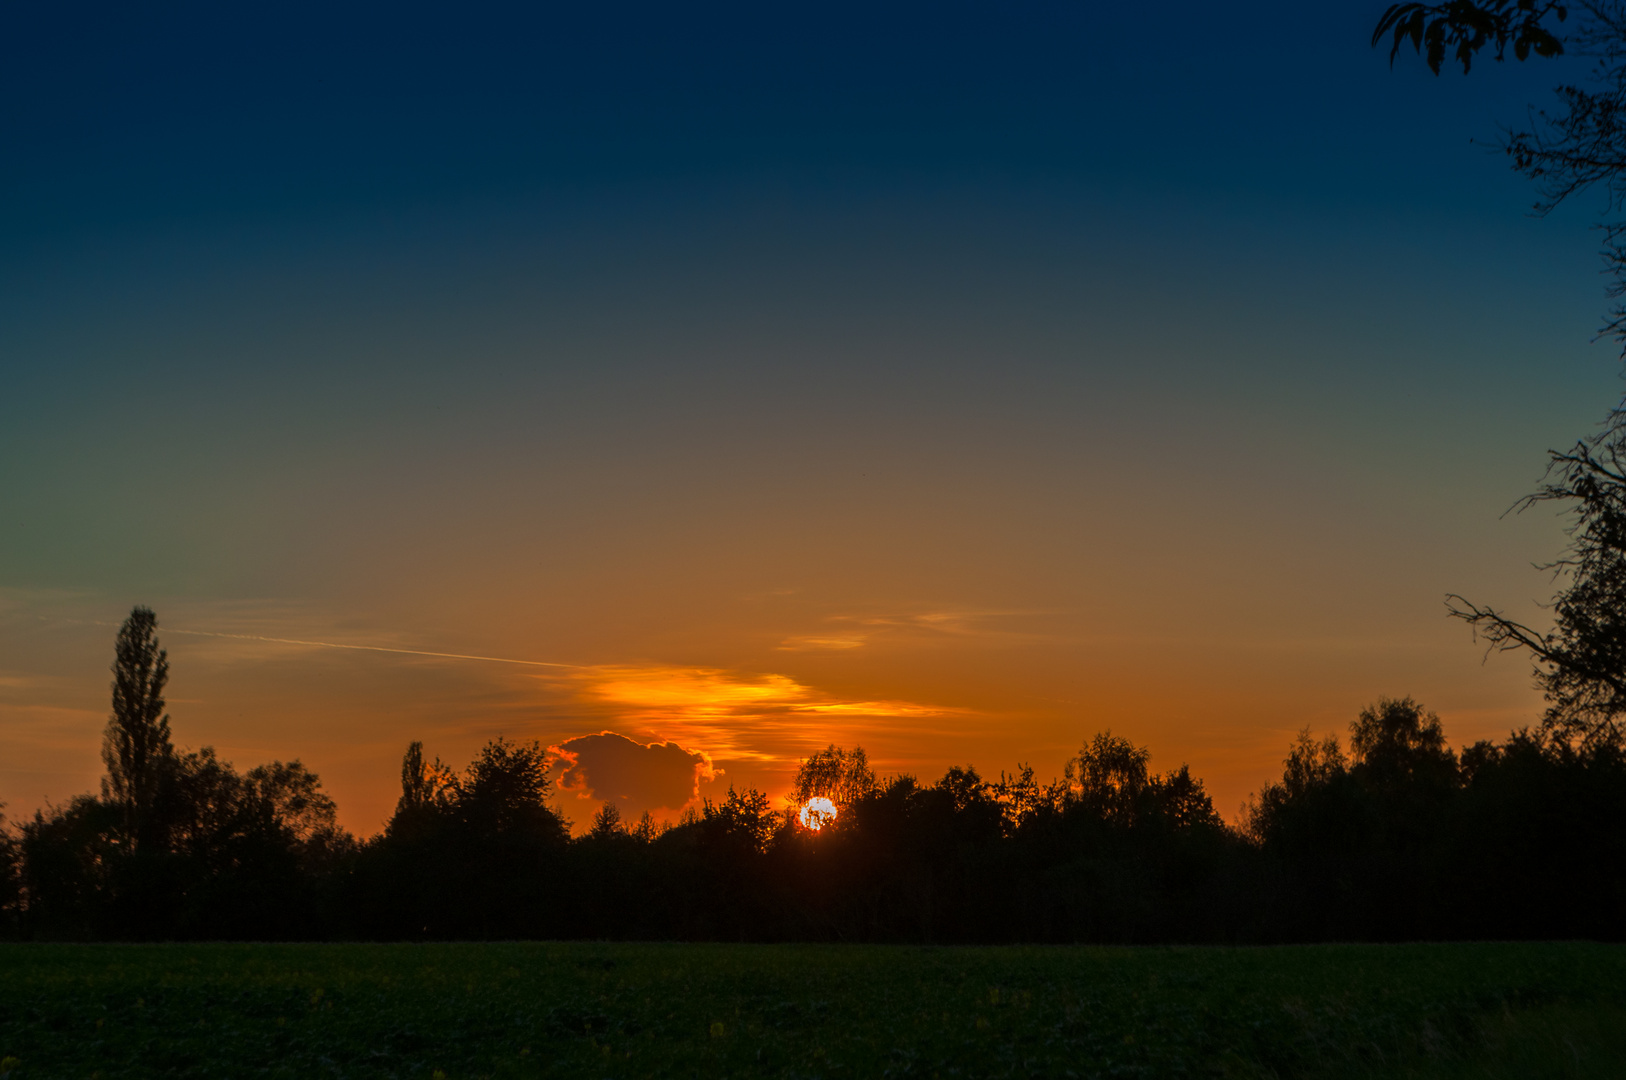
(635, 776)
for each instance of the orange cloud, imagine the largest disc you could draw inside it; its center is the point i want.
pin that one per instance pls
(760, 717)
(702, 689)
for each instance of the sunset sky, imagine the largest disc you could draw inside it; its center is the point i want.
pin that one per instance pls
(957, 380)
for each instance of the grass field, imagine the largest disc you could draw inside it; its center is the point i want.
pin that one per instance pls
(599, 1010)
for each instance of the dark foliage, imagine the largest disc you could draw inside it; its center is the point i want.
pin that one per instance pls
(1465, 27)
(471, 855)
(1514, 840)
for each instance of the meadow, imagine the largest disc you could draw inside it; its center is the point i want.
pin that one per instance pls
(640, 1010)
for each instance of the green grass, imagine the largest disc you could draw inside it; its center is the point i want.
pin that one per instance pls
(597, 1010)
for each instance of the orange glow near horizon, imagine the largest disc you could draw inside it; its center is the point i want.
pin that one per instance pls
(1000, 690)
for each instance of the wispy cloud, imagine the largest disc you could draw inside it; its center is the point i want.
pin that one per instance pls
(764, 717)
(855, 631)
(309, 643)
(367, 648)
(869, 708)
(814, 642)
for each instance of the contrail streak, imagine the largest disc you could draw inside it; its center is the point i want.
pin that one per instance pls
(362, 648)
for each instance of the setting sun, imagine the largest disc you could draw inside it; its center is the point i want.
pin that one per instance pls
(817, 812)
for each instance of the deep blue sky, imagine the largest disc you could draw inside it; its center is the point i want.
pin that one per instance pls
(1043, 367)
(147, 117)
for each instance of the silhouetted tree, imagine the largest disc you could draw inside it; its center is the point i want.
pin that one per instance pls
(1024, 799)
(1109, 777)
(1581, 662)
(136, 746)
(607, 822)
(476, 854)
(506, 789)
(1397, 740)
(645, 830)
(1109, 780)
(834, 774)
(253, 853)
(69, 853)
(1534, 848)
(1183, 801)
(1311, 767)
(288, 800)
(417, 781)
(743, 823)
(1362, 844)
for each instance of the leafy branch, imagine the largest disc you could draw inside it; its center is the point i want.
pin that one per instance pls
(1466, 27)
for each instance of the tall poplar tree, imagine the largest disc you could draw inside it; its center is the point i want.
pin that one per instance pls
(136, 746)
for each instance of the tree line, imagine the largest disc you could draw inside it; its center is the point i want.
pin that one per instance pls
(1391, 835)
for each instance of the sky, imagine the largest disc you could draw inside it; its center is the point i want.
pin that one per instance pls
(688, 388)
